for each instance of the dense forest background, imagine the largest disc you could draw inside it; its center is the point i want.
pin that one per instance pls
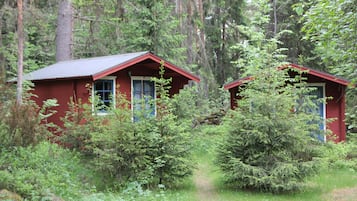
(219, 40)
(169, 156)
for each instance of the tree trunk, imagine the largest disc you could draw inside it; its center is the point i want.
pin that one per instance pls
(64, 32)
(189, 32)
(201, 32)
(2, 59)
(119, 10)
(275, 18)
(20, 33)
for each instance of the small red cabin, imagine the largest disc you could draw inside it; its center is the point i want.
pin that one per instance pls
(130, 73)
(327, 85)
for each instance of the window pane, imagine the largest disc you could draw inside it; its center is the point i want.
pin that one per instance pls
(104, 90)
(98, 85)
(108, 85)
(149, 88)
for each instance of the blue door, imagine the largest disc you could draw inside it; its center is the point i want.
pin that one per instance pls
(318, 95)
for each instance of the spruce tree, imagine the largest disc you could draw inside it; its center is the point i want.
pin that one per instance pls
(173, 148)
(268, 146)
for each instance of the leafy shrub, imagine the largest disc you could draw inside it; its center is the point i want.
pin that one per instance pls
(45, 170)
(341, 155)
(122, 148)
(78, 123)
(25, 124)
(113, 144)
(268, 146)
(185, 103)
(151, 151)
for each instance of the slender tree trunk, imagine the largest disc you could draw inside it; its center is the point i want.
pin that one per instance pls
(20, 32)
(275, 18)
(64, 32)
(2, 59)
(202, 34)
(189, 28)
(223, 56)
(119, 10)
(178, 8)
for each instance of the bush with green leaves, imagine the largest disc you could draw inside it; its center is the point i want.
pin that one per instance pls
(340, 155)
(122, 148)
(153, 150)
(268, 146)
(23, 124)
(43, 171)
(112, 143)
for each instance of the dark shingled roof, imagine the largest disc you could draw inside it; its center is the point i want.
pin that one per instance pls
(81, 67)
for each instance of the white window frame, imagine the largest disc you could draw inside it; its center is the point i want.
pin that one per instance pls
(113, 78)
(142, 78)
(323, 85)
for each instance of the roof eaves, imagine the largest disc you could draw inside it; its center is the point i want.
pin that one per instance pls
(175, 68)
(321, 74)
(121, 66)
(62, 78)
(238, 82)
(144, 56)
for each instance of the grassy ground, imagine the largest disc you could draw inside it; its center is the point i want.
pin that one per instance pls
(319, 187)
(338, 184)
(322, 187)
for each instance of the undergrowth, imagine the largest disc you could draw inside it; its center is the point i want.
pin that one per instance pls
(44, 171)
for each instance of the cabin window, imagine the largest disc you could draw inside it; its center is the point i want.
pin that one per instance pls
(104, 91)
(143, 97)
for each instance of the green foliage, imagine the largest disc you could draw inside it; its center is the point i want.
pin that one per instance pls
(221, 31)
(39, 25)
(112, 143)
(150, 25)
(43, 171)
(97, 30)
(331, 25)
(339, 156)
(185, 103)
(172, 146)
(121, 149)
(151, 151)
(268, 146)
(78, 123)
(25, 124)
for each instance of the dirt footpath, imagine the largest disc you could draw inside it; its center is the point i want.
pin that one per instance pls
(204, 186)
(344, 194)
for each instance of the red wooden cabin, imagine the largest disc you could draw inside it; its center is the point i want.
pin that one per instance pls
(327, 85)
(130, 73)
